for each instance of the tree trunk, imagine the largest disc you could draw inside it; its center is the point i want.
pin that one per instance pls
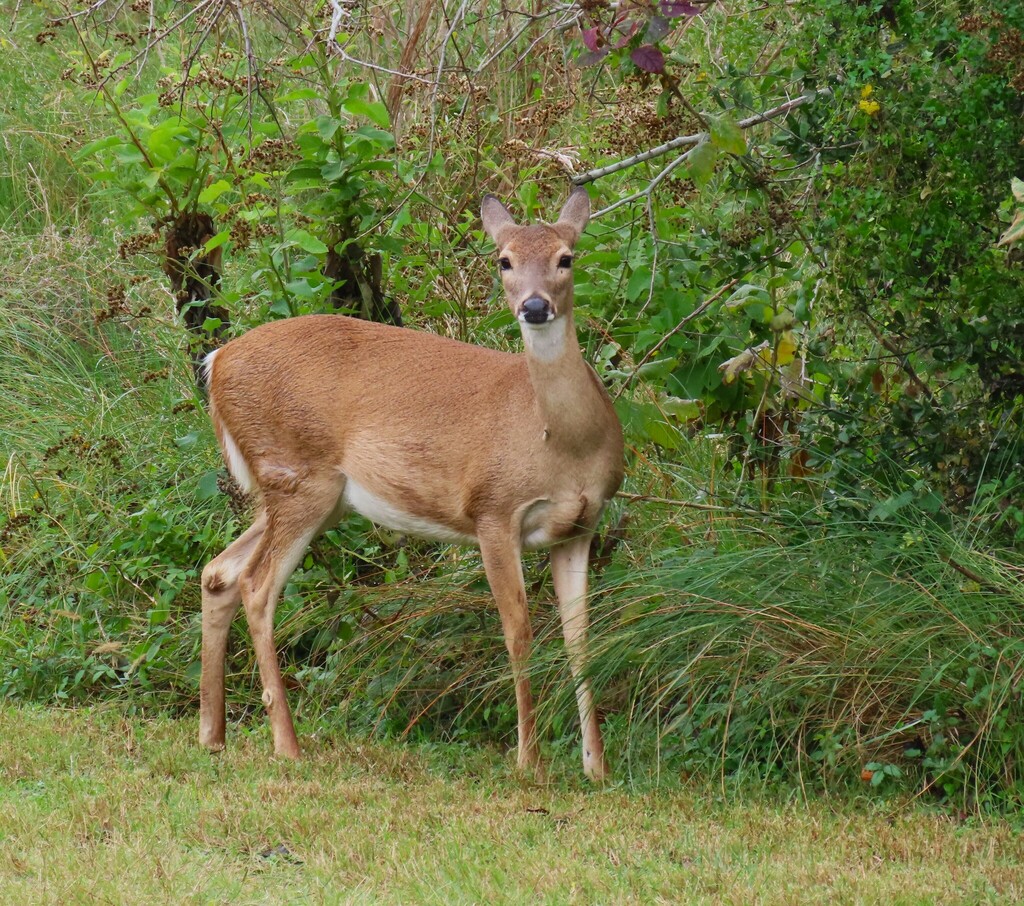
(195, 280)
(359, 277)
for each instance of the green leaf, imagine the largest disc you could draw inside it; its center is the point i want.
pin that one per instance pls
(162, 142)
(129, 154)
(745, 294)
(727, 135)
(300, 94)
(189, 440)
(207, 487)
(657, 370)
(701, 162)
(305, 241)
(1016, 231)
(335, 170)
(216, 241)
(305, 172)
(1017, 185)
(101, 144)
(375, 136)
(680, 408)
(327, 126)
(301, 289)
(374, 111)
(639, 284)
(888, 507)
(666, 436)
(280, 308)
(214, 191)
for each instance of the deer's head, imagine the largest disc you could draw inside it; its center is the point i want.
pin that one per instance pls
(535, 261)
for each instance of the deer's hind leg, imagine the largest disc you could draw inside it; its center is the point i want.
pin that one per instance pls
(221, 600)
(294, 519)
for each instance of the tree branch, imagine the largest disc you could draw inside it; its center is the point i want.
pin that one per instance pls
(684, 140)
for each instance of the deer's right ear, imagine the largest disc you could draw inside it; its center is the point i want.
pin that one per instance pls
(496, 218)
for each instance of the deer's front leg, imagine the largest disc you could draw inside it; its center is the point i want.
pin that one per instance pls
(502, 561)
(569, 562)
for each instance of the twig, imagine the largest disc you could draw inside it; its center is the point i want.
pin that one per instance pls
(683, 140)
(88, 11)
(651, 186)
(696, 313)
(440, 72)
(337, 50)
(199, 7)
(902, 359)
(687, 504)
(530, 22)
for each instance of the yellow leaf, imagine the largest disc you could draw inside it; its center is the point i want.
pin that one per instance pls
(732, 368)
(1016, 231)
(785, 352)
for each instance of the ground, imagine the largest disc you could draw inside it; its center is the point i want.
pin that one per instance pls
(99, 807)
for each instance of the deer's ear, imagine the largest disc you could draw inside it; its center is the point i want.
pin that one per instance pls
(496, 218)
(575, 214)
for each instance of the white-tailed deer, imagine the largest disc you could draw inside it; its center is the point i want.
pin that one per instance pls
(421, 434)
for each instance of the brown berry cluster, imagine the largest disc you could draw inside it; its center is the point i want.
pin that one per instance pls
(76, 446)
(139, 242)
(274, 154)
(238, 501)
(637, 125)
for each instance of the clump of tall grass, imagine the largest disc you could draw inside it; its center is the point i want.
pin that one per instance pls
(99, 524)
(793, 649)
(818, 652)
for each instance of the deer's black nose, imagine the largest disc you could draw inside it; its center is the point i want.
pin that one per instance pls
(535, 310)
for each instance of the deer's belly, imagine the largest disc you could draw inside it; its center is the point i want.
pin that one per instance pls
(391, 516)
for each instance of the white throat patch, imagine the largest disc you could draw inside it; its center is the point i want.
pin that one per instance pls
(546, 342)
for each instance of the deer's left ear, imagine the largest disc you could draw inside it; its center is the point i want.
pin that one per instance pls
(575, 214)
(496, 218)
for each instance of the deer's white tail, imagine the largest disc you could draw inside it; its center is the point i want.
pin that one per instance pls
(233, 459)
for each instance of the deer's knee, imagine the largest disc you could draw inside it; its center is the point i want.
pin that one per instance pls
(214, 580)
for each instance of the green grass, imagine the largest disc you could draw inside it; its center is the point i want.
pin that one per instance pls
(101, 807)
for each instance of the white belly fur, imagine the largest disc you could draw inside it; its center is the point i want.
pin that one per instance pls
(385, 514)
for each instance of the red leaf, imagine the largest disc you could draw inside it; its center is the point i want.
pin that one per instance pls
(674, 10)
(657, 28)
(590, 57)
(590, 39)
(648, 58)
(627, 34)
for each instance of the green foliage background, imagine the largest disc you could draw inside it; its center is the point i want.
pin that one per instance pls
(813, 339)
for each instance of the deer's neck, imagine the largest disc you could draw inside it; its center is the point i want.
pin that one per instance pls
(569, 399)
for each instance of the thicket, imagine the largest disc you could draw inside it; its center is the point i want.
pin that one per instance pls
(802, 307)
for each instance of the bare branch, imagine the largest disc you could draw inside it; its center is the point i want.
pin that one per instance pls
(651, 186)
(334, 47)
(683, 140)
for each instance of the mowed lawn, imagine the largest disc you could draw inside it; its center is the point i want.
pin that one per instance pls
(96, 807)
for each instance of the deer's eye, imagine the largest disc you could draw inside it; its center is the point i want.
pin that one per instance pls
(505, 264)
(565, 261)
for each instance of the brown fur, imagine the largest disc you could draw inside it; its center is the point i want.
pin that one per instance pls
(498, 448)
